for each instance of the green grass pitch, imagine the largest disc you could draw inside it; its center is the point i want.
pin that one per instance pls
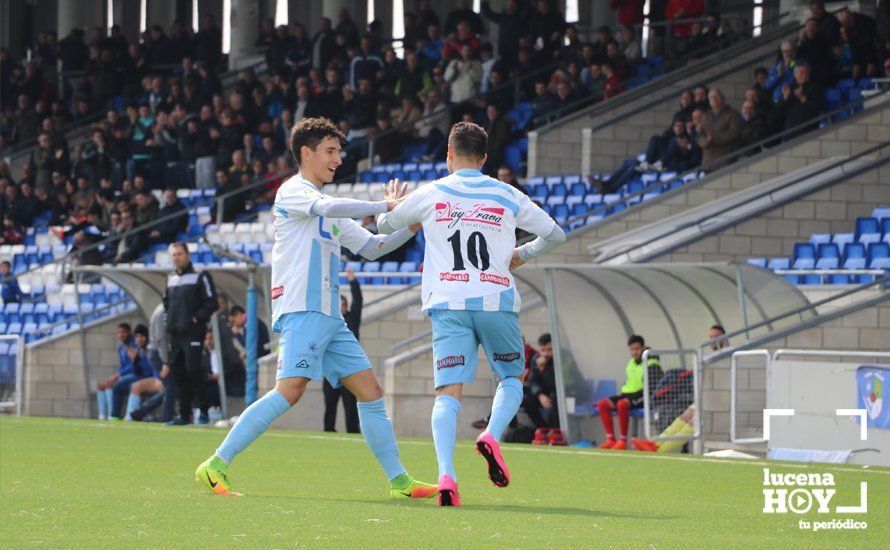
(79, 484)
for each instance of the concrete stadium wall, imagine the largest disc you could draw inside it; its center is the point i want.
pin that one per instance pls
(560, 148)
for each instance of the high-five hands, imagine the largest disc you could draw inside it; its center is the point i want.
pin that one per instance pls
(394, 193)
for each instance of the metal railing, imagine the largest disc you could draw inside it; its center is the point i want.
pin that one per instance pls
(733, 393)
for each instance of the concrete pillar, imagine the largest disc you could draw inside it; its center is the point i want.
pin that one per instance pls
(126, 14)
(161, 12)
(245, 18)
(79, 13)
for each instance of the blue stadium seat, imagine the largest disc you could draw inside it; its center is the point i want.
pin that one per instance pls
(758, 262)
(854, 96)
(558, 189)
(26, 312)
(560, 213)
(553, 181)
(41, 313)
(839, 279)
(834, 98)
(372, 267)
(843, 239)
(579, 210)
(778, 263)
(427, 171)
(11, 311)
(408, 267)
(391, 267)
(441, 169)
(804, 256)
(555, 199)
(539, 192)
(885, 226)
(14, 328)
(4, 328)
(877, 251)
(411, 171)
(366, 177)
(578, 189)
(827, 251)
(881, 213)
(867, 229)
(820, 238)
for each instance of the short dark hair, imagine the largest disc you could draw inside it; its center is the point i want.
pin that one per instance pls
(759, 71)
(636, 339)
(125, 326)
(312, 131)
(141, 329)
(544, 339)
(236, 310)
(719, 327)
(6, 263)
(468, 139)
(180, 244)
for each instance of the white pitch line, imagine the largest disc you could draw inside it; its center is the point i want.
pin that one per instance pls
(864, 469)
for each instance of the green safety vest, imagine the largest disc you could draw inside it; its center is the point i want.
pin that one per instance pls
(633, 382)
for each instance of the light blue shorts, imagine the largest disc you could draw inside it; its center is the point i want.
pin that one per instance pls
(313, 344)
(456, 339)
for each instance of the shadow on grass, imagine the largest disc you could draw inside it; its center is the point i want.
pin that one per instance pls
(513, 508)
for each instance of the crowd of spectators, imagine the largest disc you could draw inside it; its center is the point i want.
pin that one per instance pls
(784, 100)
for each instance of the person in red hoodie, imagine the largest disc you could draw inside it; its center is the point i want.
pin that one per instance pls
(683, 9)
(630, 12)
(613, 85)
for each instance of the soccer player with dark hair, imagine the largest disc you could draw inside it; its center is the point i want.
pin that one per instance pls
(469, 220)
(310, 228)
(630, 397)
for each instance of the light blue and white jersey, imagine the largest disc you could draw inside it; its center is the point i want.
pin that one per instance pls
(306, 253)
(469, 222)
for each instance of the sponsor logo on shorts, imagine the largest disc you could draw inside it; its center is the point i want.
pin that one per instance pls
(507, 357)
(453, 214)
(455, 277)
(496, 279)
(450, 361)
(277, 292)
(303, 364)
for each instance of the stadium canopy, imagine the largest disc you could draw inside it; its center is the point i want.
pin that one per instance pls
(595, 308)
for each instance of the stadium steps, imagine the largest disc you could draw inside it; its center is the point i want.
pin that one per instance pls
(666, 234)
(858, 133)
(622, 125)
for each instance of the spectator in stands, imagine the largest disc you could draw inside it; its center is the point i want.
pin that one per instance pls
(827, 25)
(540, 401)
(506, 175)
(632, 50)
(352, 315)
(719, 133)
(146, 207)
(189, 300)
(677, 10)
(134, 243)
(816, 52)
(365, 64)
(630, 396)
(238, 322)
(630, 12)
(782, 71)
(10, 291)
(464, 76)
(752, 128)
(463, 12)
(546, 30)
(499, 135)
(700, 98)
(134, 366)
(862, 36)
(801, 103)
(167, 231)
(208, 47)
(434, 126)
(614, 83)
(512, 24)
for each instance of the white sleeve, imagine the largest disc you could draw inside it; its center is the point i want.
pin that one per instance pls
(543, 244)
(533, 219)
(409, 212)
(333, 207)
(297, 200)
(362, 242)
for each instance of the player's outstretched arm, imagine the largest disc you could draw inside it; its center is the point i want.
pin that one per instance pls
(406, 211)
(333, 207)
(364, 243)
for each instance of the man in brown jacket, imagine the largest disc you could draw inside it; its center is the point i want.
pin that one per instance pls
(719, 133)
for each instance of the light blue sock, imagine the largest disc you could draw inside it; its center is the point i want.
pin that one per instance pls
(109, 399)
(133, 402)
(102, 401)
(506, 403)
(251, 424)
(377, 430)
(444, 421)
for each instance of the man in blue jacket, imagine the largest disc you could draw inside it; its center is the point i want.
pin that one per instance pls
(134, 365)
(11, 291)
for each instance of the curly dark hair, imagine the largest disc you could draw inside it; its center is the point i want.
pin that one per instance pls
(310, 132)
